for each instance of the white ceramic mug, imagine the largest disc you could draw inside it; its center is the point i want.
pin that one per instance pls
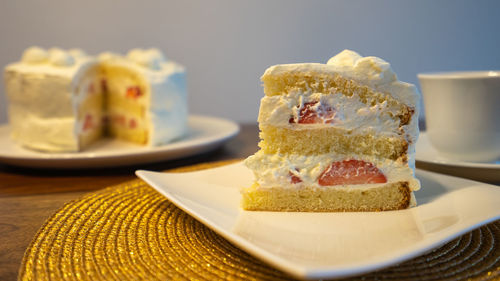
(462, 112)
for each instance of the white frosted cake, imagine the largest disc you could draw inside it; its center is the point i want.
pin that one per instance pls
(65, 100)
(335, 137)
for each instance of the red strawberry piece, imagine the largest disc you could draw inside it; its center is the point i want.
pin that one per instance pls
(87, 123)
(293, 178)
(133, 92)
(119, 119)
(351, 172)
(91, 88)
(132, 123)
(315, 112)
(104, 85)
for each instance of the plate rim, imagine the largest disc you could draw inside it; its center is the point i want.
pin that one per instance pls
(303, 271)
(170, 151)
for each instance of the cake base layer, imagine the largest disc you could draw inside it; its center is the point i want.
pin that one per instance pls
(328, 140)
(391, 196)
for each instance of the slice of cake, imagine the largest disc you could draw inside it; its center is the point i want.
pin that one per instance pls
(335, 137)
(65, 100)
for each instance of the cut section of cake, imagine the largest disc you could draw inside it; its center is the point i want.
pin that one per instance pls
(63, 101)
(335, 137)
(146, 100)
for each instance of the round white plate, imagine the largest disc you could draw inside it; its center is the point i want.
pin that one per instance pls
(425, 152)
(204, 134)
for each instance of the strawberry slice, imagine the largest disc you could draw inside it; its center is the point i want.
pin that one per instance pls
(293, 178)
(88, 122)
(351, 172)
(119, 119)
(104, 85)
(91, 88)
(314, 112)
(133, 92)
(132, 123)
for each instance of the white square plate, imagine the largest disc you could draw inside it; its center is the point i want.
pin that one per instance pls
(330, 245)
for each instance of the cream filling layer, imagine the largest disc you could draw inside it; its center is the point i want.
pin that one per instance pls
(273, 170)
(349, 112)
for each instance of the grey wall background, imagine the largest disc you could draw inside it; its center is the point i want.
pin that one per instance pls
(226, 45)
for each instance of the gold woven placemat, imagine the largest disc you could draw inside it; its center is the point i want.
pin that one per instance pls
(131, 232)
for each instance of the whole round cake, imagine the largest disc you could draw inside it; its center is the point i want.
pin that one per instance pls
(65, 100)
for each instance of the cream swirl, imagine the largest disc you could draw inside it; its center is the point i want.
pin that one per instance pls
(151, 58)
(59, 57)
(369, 69)
(35, 55)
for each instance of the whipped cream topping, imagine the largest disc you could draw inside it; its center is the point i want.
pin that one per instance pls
(108, 56)
(371, 70)
(150, 61)
(65, 64)
(273, 170)
(150, 58)
(59, 57)
(53, 56)
(77, 53)
(34, 55)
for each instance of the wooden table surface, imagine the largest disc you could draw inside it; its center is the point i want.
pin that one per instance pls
(29, 196)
